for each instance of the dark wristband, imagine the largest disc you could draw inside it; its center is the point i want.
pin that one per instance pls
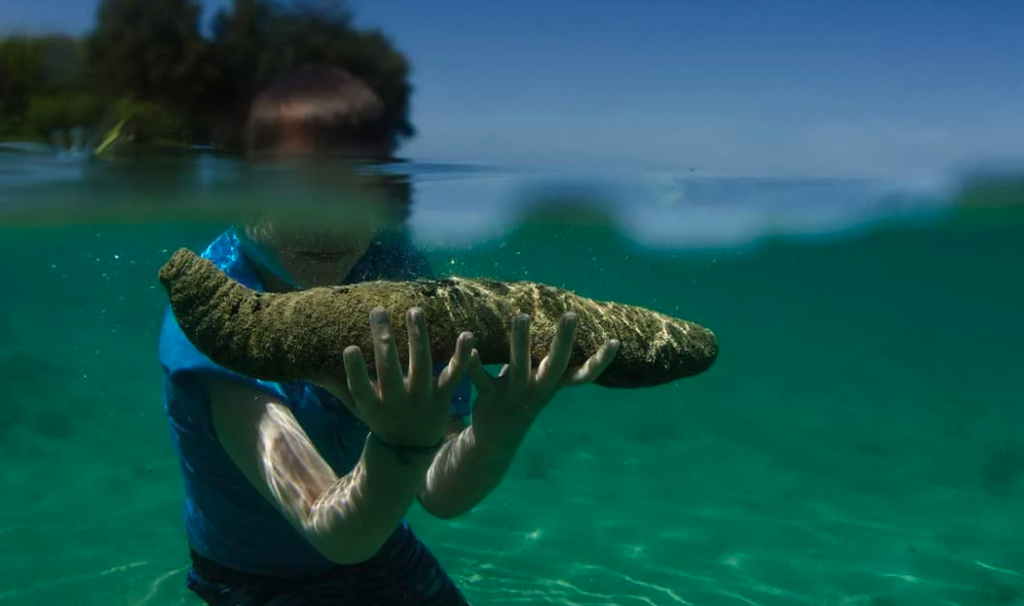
(406, 453)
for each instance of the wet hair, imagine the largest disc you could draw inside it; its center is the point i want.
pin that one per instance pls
(329, 107)
(336, 114)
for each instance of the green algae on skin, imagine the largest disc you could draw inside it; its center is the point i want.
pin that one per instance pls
(302, 335)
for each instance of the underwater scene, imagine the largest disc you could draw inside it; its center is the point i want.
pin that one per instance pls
(855, 442)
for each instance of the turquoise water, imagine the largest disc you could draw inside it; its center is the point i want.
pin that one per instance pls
(858, 441)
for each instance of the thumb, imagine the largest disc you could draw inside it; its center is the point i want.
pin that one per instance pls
(338, 389)
(483, 382)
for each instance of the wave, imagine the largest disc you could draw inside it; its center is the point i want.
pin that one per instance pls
(467, 204)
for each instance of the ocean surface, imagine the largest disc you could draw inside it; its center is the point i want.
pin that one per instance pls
(860, 440)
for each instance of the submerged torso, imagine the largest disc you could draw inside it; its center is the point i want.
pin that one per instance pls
(226, 519)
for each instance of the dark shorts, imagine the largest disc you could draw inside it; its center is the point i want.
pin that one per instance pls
(403, 572)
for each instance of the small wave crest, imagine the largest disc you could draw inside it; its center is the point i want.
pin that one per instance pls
(465, 205)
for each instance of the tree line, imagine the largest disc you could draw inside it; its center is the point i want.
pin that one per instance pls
(152, 65)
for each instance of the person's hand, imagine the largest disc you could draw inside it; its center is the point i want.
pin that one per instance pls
(508, 404)
(405, 411)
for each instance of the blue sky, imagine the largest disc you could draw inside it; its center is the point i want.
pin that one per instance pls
(803, 86)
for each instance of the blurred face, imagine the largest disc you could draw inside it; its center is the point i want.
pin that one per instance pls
(312, 257)
(342, 213)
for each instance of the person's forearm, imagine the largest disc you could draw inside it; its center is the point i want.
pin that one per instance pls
(464, 472)
(354, 518)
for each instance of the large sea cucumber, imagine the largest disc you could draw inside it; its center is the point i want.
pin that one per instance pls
(302, 335)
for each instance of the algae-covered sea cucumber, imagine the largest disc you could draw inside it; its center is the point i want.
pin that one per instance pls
(301, 335)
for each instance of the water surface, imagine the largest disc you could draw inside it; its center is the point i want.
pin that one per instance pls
(857, 442)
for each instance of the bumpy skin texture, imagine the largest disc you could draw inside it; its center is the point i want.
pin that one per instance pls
(301, 335)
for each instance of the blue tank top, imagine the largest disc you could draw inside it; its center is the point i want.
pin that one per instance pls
(226, 519)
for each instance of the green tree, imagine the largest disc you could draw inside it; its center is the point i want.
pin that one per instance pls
(43, 85)
(147, 67)
(150, 50)
(240, 36)
(59, 113)
(21, 76)
(63, 62)
(306, 34)
(255, 41)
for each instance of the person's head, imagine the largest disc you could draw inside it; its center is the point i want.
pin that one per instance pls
(317, 110)
(322, 124)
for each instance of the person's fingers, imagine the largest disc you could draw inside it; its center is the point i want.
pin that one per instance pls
(389, 368)
(358, 379)
(421, 367)
(520, 364)
(552, 368)
(343, 393)
(593, 367)
(481, 379)
(457, 367)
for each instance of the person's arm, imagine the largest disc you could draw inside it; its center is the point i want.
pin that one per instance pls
(347, 519)
(465, 472)
(471, 466)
